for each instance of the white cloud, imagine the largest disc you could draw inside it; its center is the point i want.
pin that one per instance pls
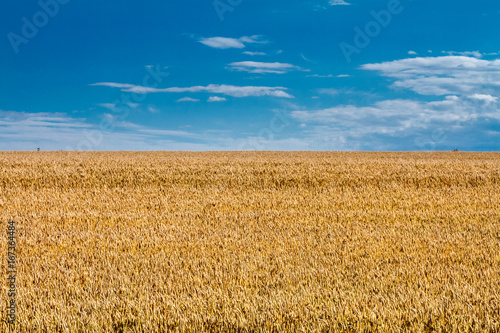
(318, 75)
(470, 107)
(486, 98)
(465, 117)
(228, 43)
(116, 107)
(253, 39)
(409, 121)
(41, 119)
(263, 67)
(386, 125)
(152, 109)
(304, 57)
(216, 99)
(447, 75)
(254, 53)
(229, 90)
(28, 131)
(222, 43)
(412, 52)
(329, 75)
(379, 117)
(475, 54)
(113, 85)
(109, 106)
(339, 3)
(188, 99)
(57, 131)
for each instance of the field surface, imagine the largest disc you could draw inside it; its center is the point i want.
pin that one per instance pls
(255, 241)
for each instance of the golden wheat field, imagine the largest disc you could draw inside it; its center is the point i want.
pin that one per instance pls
(253, 241)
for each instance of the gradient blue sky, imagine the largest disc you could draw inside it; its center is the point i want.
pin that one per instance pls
(250, 75)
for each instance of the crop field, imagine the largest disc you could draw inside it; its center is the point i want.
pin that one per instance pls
(252, 241)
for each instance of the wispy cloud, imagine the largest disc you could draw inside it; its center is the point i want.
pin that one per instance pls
(229, 90)
(216, 99)
(228, 43)
(187, 99)
(58, 131)
(109, 106)
(305, 58)
(318, 75)
(447, 75)
(467, 116)
(339, 3)
(329, 75)
(152, 109)
(475, 54)
(254, 53)
(131, 106)
(41, 119)
(366, 127)
(263, 67)
(24, 130)
(486, 98)
(385, 116)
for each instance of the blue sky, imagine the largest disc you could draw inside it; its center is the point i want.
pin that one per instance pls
(250, 75)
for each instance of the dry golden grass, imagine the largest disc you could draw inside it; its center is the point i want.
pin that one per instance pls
(154, 242)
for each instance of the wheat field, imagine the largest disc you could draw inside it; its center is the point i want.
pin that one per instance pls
(253, 241)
